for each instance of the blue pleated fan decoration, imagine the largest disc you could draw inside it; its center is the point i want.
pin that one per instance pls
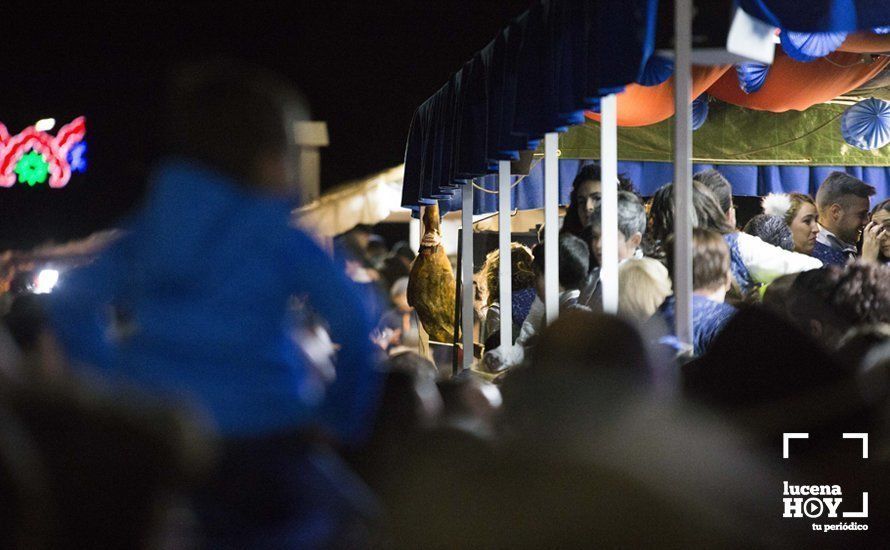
(808, 46)
(657, 70)
(751, 76)
(866, 125)
(699, 111)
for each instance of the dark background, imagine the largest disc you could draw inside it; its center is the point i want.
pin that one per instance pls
(363, 65)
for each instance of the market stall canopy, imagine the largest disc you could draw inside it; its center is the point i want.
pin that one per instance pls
(367, 201)
(554, 62)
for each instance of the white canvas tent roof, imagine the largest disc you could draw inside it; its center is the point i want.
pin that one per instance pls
(377, 199)
(368, 201)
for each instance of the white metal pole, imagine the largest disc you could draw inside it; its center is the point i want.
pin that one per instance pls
(609, 201)
(467, 295)
(683, 169)
(505, 275)
(551, 225)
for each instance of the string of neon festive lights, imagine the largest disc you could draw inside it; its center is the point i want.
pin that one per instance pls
(32, 156)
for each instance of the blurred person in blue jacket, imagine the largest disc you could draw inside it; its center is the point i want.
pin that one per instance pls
(204, 277)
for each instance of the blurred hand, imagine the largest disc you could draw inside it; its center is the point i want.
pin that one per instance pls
(386, 337)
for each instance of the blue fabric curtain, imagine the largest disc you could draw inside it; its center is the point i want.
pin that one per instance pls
(539, 75)
(528, 193)
(820, 15)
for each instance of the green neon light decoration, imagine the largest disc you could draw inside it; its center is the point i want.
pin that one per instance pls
(32, 169)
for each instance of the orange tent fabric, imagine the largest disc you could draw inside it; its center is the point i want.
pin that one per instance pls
(866, 42)
(798, 86)
(790, 84)
(643, 105)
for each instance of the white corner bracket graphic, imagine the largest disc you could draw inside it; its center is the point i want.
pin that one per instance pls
(863, 437)
(786, 436)
(863, 513)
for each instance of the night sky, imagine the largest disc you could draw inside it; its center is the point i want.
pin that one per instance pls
(364, 66)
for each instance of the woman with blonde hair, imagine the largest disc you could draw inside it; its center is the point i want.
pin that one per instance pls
(643, 285)
(799, 212)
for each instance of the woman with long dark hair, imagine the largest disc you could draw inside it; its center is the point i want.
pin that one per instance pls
(586, 193)
(876, 235)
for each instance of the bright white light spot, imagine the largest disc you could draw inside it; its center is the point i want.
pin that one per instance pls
(493, 394)
(46, 280)
(45, 124)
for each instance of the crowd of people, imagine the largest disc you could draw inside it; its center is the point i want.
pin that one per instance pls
(215, 379)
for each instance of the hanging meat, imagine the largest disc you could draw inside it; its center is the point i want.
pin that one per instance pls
(431, 282)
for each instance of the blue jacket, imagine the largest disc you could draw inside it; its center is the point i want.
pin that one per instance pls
(737, 265)
(828, 255)
(708, 319)
(205, 272)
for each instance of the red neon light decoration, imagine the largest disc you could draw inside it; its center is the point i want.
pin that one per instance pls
(53, 149)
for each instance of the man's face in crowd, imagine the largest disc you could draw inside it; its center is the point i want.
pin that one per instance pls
(587, 196)
(853, 217)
